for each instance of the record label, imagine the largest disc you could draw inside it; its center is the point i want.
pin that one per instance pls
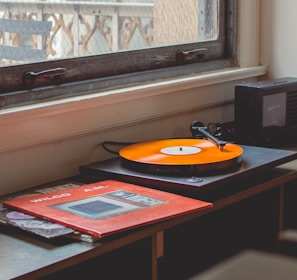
(180, 150)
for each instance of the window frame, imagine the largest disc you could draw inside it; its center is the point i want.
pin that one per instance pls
(83, 75)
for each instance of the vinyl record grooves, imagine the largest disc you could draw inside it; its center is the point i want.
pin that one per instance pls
(180, 156)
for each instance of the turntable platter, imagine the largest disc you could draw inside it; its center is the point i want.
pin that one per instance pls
(170, 154)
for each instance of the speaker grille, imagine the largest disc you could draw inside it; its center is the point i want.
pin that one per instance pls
(292, 108)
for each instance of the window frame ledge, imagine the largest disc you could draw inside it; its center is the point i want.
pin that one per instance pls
(144, 90)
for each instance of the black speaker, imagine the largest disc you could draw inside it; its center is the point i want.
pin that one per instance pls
(266, 112)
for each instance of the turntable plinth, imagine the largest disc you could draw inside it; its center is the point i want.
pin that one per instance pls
(254, 161)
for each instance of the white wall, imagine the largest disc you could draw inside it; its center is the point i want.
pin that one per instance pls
(278, 37)
(49, 143)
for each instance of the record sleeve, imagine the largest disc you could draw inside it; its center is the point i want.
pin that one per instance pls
(107, 207)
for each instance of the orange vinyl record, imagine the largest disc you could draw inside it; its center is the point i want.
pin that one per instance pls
(174, 155)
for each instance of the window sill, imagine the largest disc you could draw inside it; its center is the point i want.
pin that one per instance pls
(77, 116)
(139, 91)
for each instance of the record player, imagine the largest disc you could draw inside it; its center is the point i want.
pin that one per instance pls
(195, 166)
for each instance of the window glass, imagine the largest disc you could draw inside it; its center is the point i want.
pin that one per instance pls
(54, 42)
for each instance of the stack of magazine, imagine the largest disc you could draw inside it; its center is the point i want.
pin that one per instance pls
(39, 226)
(91, 211)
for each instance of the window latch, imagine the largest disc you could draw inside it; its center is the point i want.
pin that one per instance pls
(192, 55)
(54, 74)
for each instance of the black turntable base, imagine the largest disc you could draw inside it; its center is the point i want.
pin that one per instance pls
(256, 163)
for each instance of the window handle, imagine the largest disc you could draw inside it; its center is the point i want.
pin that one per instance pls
(196, 54)
(53, 74)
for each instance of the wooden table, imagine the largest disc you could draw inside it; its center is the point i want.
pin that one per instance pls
(25, 256)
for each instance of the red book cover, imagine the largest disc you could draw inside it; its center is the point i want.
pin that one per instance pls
(106, 207)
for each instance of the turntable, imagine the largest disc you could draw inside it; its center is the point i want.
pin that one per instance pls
(190, 166)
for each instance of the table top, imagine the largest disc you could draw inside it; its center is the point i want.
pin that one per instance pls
(23, 254)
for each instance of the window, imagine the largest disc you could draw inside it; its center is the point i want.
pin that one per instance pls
(86, 46)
